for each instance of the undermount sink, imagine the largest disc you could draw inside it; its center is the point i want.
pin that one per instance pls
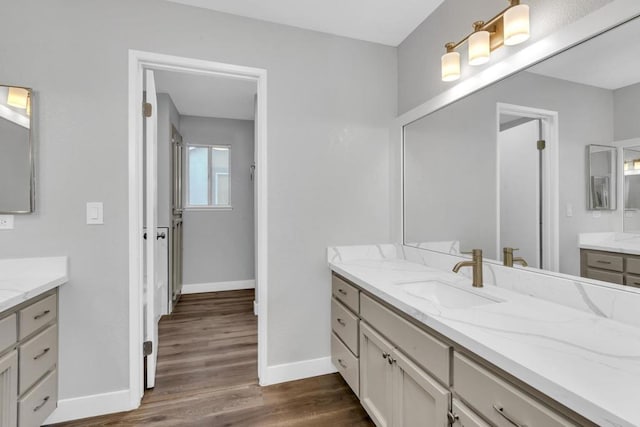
(446, 295)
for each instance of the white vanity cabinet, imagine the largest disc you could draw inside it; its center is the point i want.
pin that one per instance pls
(376, 376)
(406, 376)
(28, 361)
(9, 389)
(394, 390)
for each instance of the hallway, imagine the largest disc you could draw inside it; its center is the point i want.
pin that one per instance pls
(207, 376)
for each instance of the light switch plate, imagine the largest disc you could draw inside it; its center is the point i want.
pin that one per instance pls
(95, 213)
(6, 222)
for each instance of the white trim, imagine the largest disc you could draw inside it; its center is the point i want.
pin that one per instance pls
(138, 61)
(198, 288)
(298, 370)
(89, 406)
(600, 20)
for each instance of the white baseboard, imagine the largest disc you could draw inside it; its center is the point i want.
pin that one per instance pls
(297, 370)
(91, 406)
(198, 288)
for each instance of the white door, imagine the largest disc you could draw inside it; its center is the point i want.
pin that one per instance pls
(151, 209)
(520, 191)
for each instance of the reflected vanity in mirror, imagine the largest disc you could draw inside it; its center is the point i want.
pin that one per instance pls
(16, 150)
(601, 178)
(504, 166)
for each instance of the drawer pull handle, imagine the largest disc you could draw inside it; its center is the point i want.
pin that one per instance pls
(385, 355)
(44, 402)
(339, 320)
(45, 351)
(342, 291)
(391, 360)
(44, 313)
(504, 415)
(342, 363)
(603, 262)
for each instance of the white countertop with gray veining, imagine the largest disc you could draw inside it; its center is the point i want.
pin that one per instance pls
(588, 363)
(626, 243)
(24, 278)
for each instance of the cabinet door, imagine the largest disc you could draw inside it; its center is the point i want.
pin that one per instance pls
(9, 390)
(376, 376)
(418, 399)
(461, 416)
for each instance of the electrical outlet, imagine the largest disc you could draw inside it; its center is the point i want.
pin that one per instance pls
(6, 222)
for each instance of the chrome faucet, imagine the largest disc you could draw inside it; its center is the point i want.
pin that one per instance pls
(508, 259)
(476, 264)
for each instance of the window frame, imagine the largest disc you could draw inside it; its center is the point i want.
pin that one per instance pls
(211, 195)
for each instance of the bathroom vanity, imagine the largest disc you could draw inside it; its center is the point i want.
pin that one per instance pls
(29, 339)
(419, 343)
(611, 257)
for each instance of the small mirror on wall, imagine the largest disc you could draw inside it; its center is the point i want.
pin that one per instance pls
(601, 179)
(16, 150)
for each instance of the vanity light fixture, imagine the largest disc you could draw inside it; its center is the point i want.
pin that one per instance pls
(509, 27)
(18, 97)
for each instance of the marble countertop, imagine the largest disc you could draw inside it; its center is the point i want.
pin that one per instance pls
(24, 278)
(588, 363)
(626, 243)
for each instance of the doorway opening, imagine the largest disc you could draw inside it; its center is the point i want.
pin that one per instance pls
(527, 184)
(205, 165)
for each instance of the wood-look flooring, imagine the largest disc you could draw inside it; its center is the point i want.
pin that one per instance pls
(207, 376)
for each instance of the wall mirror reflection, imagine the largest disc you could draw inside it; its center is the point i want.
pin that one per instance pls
(601, 179)
(631, 188)
(16, 150)
(505, 166)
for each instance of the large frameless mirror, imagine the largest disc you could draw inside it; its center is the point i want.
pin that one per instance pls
(16, 150)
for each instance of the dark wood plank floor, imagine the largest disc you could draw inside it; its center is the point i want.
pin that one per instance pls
(207, 376)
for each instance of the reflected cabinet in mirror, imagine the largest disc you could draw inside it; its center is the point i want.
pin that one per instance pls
(505, 166)
(16, 150)
(601, 179)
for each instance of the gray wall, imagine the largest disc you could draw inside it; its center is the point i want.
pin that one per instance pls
(330, 102)
(419, 54)
(460, 163)
(167, 115)
(626, 103)
(219, 244)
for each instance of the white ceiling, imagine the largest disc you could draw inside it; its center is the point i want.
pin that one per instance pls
(208, 96)
(381, 21)
(609, 61)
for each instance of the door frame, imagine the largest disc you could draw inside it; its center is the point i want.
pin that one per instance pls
(550, 180)
(138, 62)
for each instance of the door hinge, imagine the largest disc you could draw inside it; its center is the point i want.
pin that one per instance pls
(542, 144)
(147, 109)
(147, 348)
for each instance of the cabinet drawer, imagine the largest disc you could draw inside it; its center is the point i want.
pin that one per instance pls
(631, 280)
(605, 276)
(346, 363)
(633, 265)
(345, 325)
(465, 417)
(497, 400)
(8, 332)
(346, 293)
(38, 356)
(605, 261)
(424, 349)
(39, 403)
(37, 315)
